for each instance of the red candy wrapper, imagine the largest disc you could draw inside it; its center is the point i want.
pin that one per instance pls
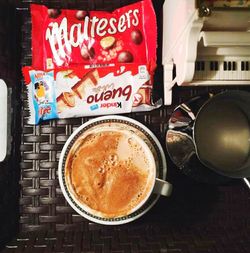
(64, 38)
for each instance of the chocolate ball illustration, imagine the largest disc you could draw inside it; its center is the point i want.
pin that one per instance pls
(107, 42)
(125, 56)
(80, 15)
(87, 53)
(136, 37)
(54, 13)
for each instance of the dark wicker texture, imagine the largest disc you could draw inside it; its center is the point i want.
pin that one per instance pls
(196, 218)
(9, 169)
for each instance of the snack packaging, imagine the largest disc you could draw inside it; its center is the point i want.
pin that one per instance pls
(41, 95)
(87, 63)
(79, 91)
(62, 38)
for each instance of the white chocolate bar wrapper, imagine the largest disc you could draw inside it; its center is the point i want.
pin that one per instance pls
(93, 91)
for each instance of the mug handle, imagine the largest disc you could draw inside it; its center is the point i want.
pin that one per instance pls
(162, 187)
(247, 182)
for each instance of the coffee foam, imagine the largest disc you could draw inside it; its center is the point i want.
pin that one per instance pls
(109, 172)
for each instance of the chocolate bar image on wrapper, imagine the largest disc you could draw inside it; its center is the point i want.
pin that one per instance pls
(88, 80)
(65, 100)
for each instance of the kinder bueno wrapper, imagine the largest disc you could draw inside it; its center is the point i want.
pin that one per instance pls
(81, 91)
(63, 38)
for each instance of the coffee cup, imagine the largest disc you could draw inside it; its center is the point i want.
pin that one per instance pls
(110, 173)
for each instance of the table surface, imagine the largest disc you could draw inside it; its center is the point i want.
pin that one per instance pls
(196, 218)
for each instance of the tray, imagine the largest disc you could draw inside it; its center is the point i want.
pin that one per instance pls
(196, 218)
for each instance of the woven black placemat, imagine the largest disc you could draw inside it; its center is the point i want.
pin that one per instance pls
(196, 218)
(9, 169)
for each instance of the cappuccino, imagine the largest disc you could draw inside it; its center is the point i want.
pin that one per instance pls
(110, 172)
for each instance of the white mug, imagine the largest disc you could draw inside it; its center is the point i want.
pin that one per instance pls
(156, 186)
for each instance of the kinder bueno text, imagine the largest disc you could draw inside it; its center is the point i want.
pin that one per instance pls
(116, 104)
(111, 94)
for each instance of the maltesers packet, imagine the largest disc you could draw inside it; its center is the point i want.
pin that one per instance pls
(62, 38)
